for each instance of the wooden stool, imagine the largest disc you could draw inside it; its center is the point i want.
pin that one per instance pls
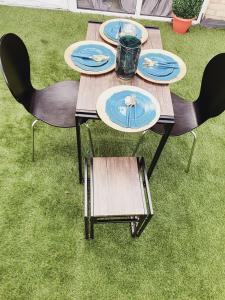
(116, 191)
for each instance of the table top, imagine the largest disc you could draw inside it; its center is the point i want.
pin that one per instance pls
(92, 86)
(117, 190)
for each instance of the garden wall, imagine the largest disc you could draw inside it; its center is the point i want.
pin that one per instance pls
(216, 10)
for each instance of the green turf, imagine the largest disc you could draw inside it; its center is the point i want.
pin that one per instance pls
(43, 254)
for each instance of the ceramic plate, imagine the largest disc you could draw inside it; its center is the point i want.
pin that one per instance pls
(112, 109)
(109, 30)
(75, 56)
(167, 67)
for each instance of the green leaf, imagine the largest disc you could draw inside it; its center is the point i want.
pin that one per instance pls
(187, 9)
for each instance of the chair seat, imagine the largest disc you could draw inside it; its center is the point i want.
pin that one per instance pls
(185, 117)
(56, 104)
(117, 189)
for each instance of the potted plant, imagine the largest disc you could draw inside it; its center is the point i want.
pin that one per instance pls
(184, 11)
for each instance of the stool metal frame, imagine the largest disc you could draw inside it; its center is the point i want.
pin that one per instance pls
(137, 223)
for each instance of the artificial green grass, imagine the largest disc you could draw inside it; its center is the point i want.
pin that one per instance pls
(43, 254)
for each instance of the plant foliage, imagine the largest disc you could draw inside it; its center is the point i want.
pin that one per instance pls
(187, 9)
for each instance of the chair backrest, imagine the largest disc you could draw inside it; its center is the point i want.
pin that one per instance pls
(15, 66)
(211, 101)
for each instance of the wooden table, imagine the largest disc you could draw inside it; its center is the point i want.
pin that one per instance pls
(92, 86)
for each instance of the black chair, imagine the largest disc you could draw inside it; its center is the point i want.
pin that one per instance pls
(54, 105)
(210, 103)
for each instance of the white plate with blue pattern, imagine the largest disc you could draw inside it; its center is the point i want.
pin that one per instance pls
(160, 66)
(112, 108)
(78, 57)
(109, 30)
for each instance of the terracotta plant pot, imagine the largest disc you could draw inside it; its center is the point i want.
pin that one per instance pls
(181, 25)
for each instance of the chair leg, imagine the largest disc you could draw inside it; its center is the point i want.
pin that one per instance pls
(90, 139)
(192, 151)
(139, 142)
(32, 126)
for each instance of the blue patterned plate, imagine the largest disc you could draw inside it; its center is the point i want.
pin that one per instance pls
(109, 30)
(78, 56)
(112, 29)
(114, 111)
(166, 67)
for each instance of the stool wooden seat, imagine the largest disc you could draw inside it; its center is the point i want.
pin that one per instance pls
(116, 190)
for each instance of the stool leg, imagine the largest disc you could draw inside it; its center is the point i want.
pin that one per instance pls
(90, 139)
(32, 126)
(86, 201)
(136, 226)
(133, 228)
(86, 228)
(143, 224)
(91, 228)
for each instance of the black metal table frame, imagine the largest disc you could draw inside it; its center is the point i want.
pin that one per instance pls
(137, 223)
(84, 117)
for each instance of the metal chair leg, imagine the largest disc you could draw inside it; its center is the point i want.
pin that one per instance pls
(192, 151)
(33, 124)
(90, 139)
(139, 142)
